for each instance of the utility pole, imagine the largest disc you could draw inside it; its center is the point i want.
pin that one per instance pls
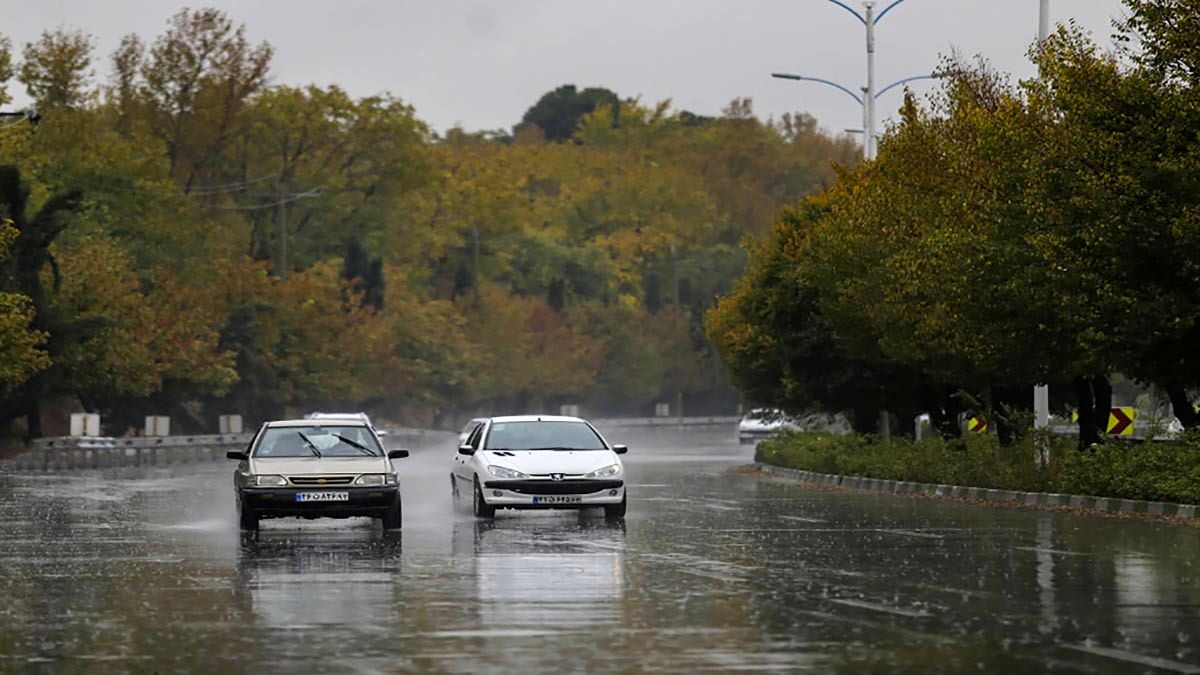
(1041, 392)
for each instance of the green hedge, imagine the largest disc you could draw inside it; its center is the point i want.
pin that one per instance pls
(1160, 471)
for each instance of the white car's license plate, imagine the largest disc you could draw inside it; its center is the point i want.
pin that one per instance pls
(558, 499)
(322, 496)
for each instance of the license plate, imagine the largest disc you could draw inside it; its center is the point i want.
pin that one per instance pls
(558, 499)
(322, 496)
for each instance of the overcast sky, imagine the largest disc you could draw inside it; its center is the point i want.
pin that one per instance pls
(480, 64)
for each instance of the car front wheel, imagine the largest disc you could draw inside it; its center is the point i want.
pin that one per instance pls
(247, 518)
(392, 517)
(616, 511)
(482, 510)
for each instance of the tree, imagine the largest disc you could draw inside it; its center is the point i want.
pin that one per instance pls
(6, 69)
(192, 87)
(558, 112)
(22, 351)
(55, 69)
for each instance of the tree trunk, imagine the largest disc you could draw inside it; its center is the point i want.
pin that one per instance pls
(1102, 393)
(1182, 407)
(1088, 435)
(1095, 403)
(997, 415)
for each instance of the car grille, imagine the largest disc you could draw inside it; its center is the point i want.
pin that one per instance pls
(320, 480)
(554, 487)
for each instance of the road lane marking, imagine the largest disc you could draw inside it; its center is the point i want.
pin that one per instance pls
(1140, 659)
(862, 604)
(801, 519)
(1053, 551)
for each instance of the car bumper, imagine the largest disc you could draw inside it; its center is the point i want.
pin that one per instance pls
(753, 436)
(371, 502)
(548, 494)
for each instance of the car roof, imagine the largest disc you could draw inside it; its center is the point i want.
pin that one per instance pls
(311, 422)
(535, 418)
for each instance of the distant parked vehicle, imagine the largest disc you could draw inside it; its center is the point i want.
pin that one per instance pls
(538, 462)
(316, 468)
(346, 416)
(760, 423)
(468, 428)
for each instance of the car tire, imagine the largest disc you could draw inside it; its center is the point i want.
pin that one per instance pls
(392, 518)
(247, 518)
(616, 511)
(481, 508)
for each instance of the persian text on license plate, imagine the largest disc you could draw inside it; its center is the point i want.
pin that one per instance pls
(558, 499)
(322, 496)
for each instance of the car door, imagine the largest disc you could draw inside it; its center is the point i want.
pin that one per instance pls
(463, 467)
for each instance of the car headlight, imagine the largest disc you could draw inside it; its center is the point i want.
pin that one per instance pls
(375, 479)
(504, 472)
(268, 480)
(605, 471)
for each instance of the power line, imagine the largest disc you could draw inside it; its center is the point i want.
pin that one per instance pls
(291, 197)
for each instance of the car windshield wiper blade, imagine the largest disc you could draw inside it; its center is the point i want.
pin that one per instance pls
(311, 446)
(355, 444)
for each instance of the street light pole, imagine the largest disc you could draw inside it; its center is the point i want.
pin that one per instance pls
(867, 100)
(870, 97)
(869, 18)
(1041, 392)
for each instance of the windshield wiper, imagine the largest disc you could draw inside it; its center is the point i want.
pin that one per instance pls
(355, 444)
(311, 446)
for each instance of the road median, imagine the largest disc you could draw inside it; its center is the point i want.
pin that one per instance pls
(1156, 480)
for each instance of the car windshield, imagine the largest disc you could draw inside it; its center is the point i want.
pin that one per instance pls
(318, 441)
(542, 436)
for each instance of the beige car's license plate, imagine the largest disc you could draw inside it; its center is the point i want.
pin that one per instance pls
(558, 499)
(322, 496)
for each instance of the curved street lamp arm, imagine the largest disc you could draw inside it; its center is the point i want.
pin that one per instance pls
(835, 85)
(887, 9)
(853, 11)
(906, 80)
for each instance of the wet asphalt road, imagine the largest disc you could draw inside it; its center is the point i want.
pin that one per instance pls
(146, 572)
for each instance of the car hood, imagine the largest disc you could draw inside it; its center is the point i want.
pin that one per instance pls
(541, 462)
(291, 466)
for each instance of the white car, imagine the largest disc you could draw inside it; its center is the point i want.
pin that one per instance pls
(760, 423)
(538, 462)
(361, 416)
(468, 428)
(316, 468)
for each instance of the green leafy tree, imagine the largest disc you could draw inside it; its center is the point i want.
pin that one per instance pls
(557, 113)
(55, 69)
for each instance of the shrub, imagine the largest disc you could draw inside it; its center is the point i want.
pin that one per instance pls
(1160, 471)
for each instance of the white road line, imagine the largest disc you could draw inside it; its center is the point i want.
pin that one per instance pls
(1131, 657)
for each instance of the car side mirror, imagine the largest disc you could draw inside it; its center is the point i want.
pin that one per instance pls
(620, 449)
(466, 450)
(397, 454)
(382, 433)
(237, 454)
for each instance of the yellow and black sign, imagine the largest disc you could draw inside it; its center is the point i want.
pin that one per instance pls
(977, 425)
(1120, 421)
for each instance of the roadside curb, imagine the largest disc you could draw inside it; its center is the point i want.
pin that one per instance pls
(1032, 499)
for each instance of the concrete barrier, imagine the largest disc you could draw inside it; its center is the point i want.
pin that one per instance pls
(71, 453)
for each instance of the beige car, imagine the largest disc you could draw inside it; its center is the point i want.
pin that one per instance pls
(317, 468)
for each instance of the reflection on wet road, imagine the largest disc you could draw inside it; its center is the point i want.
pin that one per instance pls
(711, 571)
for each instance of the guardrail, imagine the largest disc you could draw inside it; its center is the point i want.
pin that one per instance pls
(659, 422)
(68, 453)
